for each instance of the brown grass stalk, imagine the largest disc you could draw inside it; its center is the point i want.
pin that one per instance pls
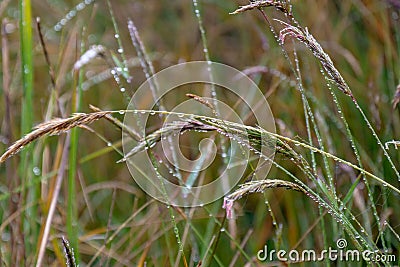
(260, 186)
(53, 127)
(263, 3)
(256, 187)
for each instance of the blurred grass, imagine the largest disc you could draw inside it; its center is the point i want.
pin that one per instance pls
(363, 40)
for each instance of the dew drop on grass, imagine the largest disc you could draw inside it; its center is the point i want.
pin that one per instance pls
(122, 89)
(121, 112)
(109, 144)
(120, 50)
(36, 171)
(222, 229)
(116, 35)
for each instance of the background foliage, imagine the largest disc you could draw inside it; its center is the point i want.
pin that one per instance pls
(106, 217)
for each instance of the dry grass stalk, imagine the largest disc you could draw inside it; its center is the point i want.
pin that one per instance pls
(259, 4)
(256, 187)
(260, 186)
(201, 100)
(46, 54)
(132, 133)
(145, 62)
(305, 37)
(53, 127)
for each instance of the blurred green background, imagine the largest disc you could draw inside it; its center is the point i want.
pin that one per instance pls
(361, 36)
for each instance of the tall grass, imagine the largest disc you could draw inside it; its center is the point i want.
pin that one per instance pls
(27, 224)
(329, 71)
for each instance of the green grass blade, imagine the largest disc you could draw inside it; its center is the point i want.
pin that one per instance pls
(26, 164)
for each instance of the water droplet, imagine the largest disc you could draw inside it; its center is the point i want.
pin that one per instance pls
(109, 144)
(120, 50)
(80, 6)
(121, 112)
(116, 35)
(36, 171)
(222, 229)
(122, 89)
